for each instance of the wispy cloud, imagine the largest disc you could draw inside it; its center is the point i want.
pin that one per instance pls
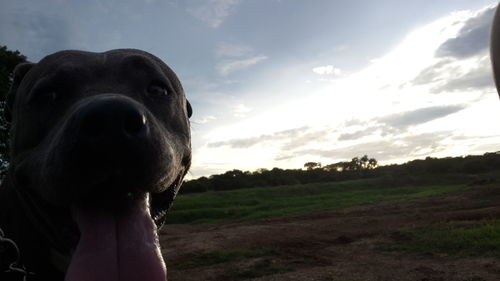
(404, 120)
(225, 49)
(476, 77)
(358, 134)
(205, 119)
(229, 66)
(398, 123)
(241, 110)
(235, 57)
(212, 12)
(382, 149)
(285, 135)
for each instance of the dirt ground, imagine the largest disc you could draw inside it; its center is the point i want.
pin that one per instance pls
(340, 245)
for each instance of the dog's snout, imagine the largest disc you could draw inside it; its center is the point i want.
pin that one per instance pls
(112, 117)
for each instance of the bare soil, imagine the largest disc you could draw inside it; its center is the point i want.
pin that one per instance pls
(340, 245)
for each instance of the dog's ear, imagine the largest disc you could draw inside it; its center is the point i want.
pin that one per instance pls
(189, 109)
(495, 48)
(19, 73)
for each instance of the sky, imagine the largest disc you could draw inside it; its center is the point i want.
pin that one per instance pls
(277, 83)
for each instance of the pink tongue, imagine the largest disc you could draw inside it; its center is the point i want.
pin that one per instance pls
(122, 246)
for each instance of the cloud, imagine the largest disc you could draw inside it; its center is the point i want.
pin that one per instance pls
(227, 67)
(472, 39)
(384, 149)
(461, 63)
(236, 143)
(404, 120)
(478, 77)
(286, 135)
(327, 69)
(241, 110)
(225, 49)
(358, 134)
(398, 123)
(284, 142)
(212, 12)
(205, 119)
(306, 138)
(433, 73)
(235, 58)
(450, 75)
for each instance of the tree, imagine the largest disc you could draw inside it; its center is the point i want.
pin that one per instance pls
(312, 165)
(363, 162)
(338, 167)
(372, 163)
(335, 167)
(8, 61)
(355, 164)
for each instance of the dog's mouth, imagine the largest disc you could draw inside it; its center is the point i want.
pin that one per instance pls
(109, 231)
(105, 235)
(117, 245)
(118, 241)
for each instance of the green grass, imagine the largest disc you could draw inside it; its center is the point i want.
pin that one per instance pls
(479, 239)
(266, 202)
(223, 256)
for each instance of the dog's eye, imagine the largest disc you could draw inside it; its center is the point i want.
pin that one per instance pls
(158, 89)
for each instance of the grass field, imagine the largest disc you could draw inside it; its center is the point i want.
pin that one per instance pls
(479, 239)
(224, 256)
(266, 202)
(397, 234)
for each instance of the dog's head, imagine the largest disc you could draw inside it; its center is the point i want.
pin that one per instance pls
(98, 140)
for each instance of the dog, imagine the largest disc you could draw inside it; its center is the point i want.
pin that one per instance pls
(100, 144)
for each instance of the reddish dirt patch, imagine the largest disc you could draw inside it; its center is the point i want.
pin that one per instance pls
(341, 245)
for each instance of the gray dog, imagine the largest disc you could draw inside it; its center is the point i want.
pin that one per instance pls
(100, 145)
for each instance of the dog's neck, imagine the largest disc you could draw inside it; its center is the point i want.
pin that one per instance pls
(18, 222)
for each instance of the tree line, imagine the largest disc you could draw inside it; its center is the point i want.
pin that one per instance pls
(356, 164)
(422, 171)
(8, 61)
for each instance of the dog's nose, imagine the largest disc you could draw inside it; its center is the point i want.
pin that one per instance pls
(112, 117)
